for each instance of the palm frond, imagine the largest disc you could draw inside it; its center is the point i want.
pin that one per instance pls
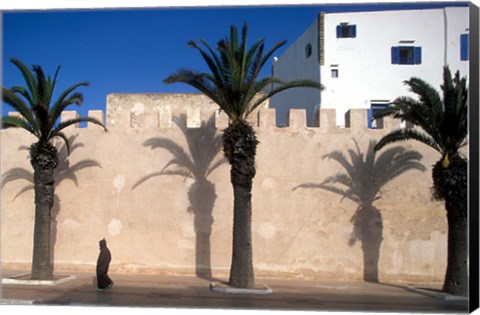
(42, 121)
(29, 79)
(428, 96)
(18, 104)
(212, 62)
(54, 82)
(284, 86)
(455, 124)
(62, 136)
(414, 112)
(63, 102)
(23, 92)
(444, 121)
(271, 51)
(234, 67)
(449, 97)
(18, 122)
(407, 134)
(59, 107)
(197, 80)
(43, 90)
(73, 121)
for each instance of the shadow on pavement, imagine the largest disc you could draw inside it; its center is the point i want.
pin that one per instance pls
(197, 294)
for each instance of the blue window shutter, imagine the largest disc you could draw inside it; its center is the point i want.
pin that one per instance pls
(395, 55)
(369, 118)
(417, 55)
(464, 47)
(339, 31)
(352, 31)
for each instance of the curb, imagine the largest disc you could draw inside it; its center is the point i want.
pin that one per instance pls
(15, 280)
(439, 295)
(16, 302)
(232, 290)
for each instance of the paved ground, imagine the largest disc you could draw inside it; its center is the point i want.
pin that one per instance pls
(187, 292)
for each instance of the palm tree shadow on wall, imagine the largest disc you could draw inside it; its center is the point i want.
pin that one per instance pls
(204, 144)
(362, 183)
(63, 172)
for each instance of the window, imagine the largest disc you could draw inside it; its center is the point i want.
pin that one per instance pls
(375, 123)
(406, 55)
(346, 31)
(464, 47)
(308, 51)
(334, 73)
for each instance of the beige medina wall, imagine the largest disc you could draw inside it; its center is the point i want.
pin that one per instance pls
(178, 225)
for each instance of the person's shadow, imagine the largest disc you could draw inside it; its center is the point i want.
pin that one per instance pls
(204, 145)
(362, 183)
(63, 172)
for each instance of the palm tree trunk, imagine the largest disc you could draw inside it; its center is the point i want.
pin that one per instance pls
(456, 277)
(44, 159)
(239, 144)
(241, 271)
(451, 185)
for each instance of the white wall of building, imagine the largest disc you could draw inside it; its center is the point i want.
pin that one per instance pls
(293, 65)
(457, 23)
(364, 63)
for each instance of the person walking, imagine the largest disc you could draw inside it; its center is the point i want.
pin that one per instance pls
(103, 280)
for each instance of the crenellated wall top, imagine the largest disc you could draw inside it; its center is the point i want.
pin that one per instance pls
(157, 110)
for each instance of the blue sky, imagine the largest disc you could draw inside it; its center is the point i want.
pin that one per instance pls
(133, 50)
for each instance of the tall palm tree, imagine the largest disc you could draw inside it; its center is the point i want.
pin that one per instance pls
(38, 116)
(362, 181)
(233, 84)
(444, 128)
(63, 172)
(204, 145)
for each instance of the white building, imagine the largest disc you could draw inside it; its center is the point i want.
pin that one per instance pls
(362, 58)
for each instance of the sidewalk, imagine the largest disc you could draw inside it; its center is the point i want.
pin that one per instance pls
(191, 292)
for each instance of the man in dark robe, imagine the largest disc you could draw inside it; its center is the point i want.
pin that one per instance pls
(103, 280)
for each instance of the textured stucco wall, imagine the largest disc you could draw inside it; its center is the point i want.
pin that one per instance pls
(176, 224)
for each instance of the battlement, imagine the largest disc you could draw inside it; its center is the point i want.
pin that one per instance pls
(149, 111)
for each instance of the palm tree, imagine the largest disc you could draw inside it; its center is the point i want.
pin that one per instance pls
(444, 128)
(232, 84)
(362, 183)
(38, 116)
(198, 163)
(63, 172)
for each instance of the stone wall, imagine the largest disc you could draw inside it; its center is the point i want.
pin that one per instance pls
(156, 187)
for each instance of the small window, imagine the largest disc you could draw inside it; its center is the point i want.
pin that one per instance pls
(308, 51)
(464, 47)
(406, 55)
(346, 31)
(375, 123)
(334, 73)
